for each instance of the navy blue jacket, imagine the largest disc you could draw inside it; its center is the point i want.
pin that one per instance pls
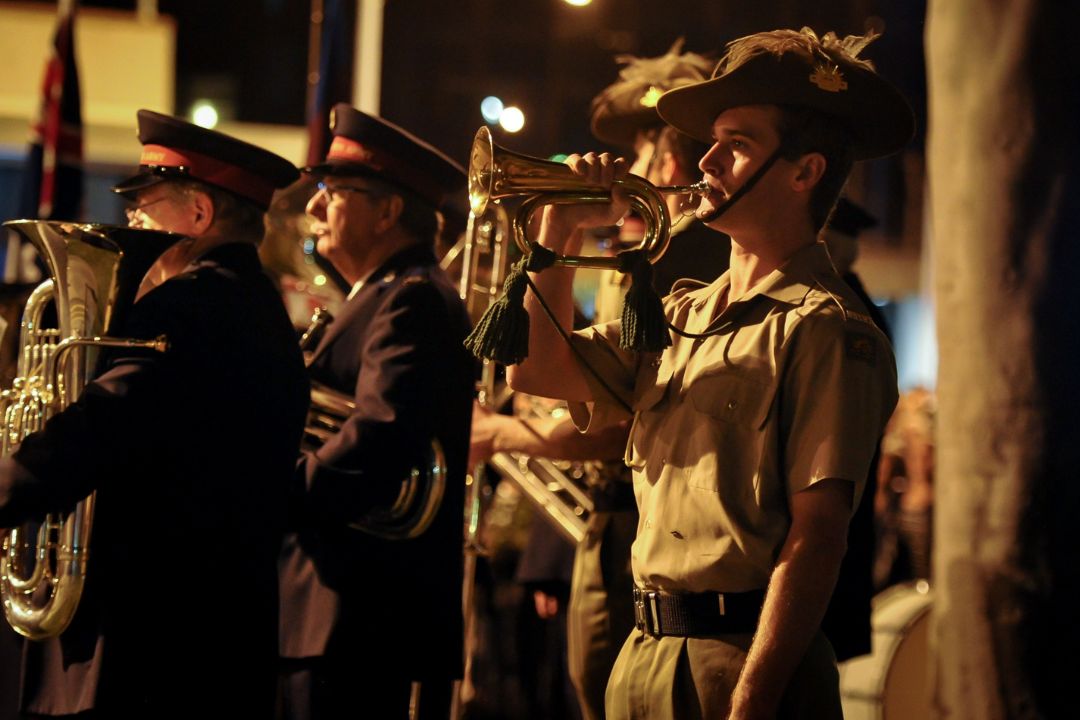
(396, 349)
(191, 453)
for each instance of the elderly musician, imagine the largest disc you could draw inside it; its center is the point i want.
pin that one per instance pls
(753, 431)
(190, 452)
(372, 624)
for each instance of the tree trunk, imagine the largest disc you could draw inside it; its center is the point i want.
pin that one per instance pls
(1005, 202)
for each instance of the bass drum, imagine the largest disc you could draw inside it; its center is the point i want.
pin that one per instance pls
(891, 683)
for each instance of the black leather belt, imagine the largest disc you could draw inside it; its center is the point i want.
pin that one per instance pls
(697, 614)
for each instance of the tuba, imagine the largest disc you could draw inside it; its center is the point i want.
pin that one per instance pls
(421, 492)
(94, 273)
(496, 173)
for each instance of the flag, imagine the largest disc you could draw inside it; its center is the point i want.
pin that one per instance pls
(53, 173)
(332, 83)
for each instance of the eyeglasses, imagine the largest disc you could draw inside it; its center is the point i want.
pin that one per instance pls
(132, 212)
(335, 192)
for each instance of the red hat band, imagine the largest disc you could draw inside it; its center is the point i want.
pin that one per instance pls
(210, 170)
(345, 149)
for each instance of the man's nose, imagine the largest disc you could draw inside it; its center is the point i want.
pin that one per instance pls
(316, 206)
(711, 162)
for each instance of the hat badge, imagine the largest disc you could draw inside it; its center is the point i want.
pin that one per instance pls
(828, 78)
(651, 96)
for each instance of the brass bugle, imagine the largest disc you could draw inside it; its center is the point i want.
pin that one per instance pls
(496, 173)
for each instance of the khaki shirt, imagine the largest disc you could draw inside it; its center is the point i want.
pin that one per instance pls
(795, 386)
(609, 296)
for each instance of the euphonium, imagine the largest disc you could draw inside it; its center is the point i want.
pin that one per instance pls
(94, 273)
(421, 493)
(495, 173)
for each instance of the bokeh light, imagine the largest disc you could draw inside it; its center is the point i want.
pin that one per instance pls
(491, 108)
(204, 114)
(512, 119)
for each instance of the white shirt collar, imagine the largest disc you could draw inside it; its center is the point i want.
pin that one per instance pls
(357, 285)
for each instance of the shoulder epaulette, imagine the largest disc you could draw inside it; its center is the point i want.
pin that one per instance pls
(845, 311)
(861, 317)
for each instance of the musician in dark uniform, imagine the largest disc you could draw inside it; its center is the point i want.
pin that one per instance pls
(365, 618)
(190, 452)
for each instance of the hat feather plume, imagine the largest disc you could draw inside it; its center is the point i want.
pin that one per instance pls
(829, 47)
(638, 75)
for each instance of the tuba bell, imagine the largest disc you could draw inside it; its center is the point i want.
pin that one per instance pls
(94, 272)
(421, 492)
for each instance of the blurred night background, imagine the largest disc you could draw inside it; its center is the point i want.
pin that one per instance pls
(255, 62)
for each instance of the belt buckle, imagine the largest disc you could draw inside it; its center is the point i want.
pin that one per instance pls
(639, 609)
(646, 618)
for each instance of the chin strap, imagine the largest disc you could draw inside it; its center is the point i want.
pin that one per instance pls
(746, 187)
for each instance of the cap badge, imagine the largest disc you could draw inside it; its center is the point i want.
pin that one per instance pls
(829, 79)
(152, 157)
(651, 96)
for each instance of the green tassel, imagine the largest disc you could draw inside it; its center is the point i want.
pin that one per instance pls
(502, 334)
(644, 325)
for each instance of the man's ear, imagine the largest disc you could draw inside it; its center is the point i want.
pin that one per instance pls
(203, 209)
(810, 169)
(389, 212)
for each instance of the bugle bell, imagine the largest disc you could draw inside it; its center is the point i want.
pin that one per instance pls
(496, 173)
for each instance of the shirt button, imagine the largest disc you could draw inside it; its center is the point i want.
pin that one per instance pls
(732, 404)
(648, 523)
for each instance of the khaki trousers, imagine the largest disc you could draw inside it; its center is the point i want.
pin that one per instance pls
(692, 679)
(601, 610)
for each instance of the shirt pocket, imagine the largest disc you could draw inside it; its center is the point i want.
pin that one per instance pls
(732, 399)
(723, 448)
